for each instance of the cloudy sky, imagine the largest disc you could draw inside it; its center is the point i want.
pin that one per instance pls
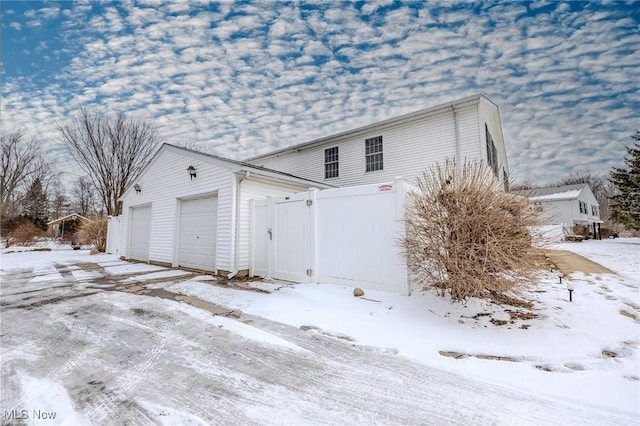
(245, 78)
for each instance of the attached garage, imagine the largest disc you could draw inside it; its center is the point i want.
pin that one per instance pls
(192, 210)
(140, 231)
(197, 238)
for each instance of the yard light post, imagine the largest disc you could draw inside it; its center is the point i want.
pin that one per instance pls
(560, 276)
(570, 288)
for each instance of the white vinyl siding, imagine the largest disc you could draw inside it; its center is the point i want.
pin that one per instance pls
(490, 118)
(409, 149)
(165, 182)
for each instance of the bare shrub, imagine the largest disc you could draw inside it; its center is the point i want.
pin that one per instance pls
(8, 224)
(24, 235)
(94, 233)
(466, 236)
(582, 230)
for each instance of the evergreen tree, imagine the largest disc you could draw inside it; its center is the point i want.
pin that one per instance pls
(36, 204)
(625, 208)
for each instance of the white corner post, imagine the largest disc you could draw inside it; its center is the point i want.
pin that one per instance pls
(402, 188)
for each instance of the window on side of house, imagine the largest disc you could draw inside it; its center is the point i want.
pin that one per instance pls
(373, 154)
(583, 207)
(492, 152)
(331, 163)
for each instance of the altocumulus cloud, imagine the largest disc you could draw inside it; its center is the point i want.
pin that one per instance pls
(244, 78)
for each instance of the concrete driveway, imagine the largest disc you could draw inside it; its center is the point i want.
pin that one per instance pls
(86, 346)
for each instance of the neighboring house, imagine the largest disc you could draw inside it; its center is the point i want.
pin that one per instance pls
(192, 209)
(405, 146)
(567, 205)
(57, 227)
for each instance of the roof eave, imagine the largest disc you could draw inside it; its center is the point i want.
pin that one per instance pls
(417, 115)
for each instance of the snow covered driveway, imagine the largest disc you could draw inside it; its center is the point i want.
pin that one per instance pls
(78, 345)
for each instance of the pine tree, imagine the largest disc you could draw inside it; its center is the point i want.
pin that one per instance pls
(625, 208)
(36, 204)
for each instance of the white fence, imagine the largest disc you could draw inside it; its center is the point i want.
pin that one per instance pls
(345, 236)
(113, 235)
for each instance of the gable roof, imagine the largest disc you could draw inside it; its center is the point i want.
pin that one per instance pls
(232, 164)
(417, 115)
(554, 193)
(71, 216)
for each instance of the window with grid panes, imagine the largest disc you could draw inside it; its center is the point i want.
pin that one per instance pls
(373, 153)
(331, 162)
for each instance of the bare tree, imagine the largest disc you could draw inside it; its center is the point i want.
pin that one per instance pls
(59, 201)
(112, 150)
(18, 160)
(84, 197)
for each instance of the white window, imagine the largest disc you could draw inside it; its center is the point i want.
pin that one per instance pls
(373, 153)
(331, 162)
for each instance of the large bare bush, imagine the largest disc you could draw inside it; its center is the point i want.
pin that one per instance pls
(94, 233)
(465, 235)
(26, 234)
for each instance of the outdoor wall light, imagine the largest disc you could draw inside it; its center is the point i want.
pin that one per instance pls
(192, 172)
(138, 188)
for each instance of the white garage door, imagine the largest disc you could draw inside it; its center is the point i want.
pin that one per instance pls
(198, 221)
(140, 232)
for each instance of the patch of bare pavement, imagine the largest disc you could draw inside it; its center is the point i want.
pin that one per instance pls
(109, 350)
(568, 262)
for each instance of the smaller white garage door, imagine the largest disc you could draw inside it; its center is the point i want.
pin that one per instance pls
(198, 224)
(140, 232)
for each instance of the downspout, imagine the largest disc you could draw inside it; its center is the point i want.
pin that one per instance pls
(457, 130)
(236, 259)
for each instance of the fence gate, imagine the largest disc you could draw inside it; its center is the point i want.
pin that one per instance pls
(345, 236)
(290, 251)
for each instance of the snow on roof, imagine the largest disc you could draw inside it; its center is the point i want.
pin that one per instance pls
(557, 196)
(553, 193)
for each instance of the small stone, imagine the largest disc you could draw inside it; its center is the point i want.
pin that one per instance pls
(357, 292)
(94, 251)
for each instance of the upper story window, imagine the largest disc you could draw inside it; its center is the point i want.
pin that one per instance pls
(583, 207)
(373, 153)
(492, 152)
(594, 211)
(331, 162)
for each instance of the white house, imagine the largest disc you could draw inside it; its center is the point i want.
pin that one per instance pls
(405, 146)
(191, 209)
(194, 210)
(567, 205)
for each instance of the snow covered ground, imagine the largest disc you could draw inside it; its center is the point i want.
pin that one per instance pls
(393, 359)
